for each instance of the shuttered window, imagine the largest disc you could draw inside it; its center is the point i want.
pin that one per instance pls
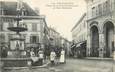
(2, 37)
(34, 39)
(34, 27)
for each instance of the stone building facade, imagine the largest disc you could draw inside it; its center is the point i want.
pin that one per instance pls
(101, 31)
(79, 31)
(58, 42)
(35, 23)
(54, 37)
(79, 35)
(66, 45)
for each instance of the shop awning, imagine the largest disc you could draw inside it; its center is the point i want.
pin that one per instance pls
(80, 43)
(73, 46)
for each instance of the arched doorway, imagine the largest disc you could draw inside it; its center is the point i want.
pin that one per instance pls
(109, 38)
(94, 41)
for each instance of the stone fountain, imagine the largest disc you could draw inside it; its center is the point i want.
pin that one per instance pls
(17, 55)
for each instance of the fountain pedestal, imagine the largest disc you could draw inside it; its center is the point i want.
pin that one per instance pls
(17, 55)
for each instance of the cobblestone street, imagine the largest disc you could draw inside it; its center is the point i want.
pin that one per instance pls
(75, 65)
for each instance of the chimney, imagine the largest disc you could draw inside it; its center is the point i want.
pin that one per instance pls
(37, 11)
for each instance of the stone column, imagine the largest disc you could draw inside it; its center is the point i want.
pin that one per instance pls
(88, 44)
(114, 48)
(101, 45)
(113, 19)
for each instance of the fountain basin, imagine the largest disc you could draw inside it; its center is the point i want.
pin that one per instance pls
(16, 62)
(17, 29)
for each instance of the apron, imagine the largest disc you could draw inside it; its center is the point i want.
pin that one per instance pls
(52, 56)
(62, 57)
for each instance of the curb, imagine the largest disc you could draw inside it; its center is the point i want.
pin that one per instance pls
(31, 67)
(104, 59)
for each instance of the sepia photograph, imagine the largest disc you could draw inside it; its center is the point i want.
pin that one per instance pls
(57, 35)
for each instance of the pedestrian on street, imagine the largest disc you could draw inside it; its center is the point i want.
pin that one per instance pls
(28, 53)
(32, 54)
(33, 57)
(62, 56)
(40, 53)
(52, 57)
(4, 52)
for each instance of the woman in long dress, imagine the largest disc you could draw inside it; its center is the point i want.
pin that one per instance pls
(41, 56)
(33, 57)
(62, 56)
(52, 57)
(32, 54)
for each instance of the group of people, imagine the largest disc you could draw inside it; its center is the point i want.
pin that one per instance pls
(38, 56)
(38, 59)
(53, 57)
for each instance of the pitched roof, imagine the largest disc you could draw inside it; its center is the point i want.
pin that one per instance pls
(10, 8)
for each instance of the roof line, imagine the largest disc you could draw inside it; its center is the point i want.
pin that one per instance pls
(79, 21)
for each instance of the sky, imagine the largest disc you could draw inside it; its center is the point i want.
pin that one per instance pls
(63, 19)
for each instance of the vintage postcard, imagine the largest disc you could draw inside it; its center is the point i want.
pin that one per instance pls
(57, 35)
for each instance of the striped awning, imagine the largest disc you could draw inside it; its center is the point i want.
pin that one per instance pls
(78, 45)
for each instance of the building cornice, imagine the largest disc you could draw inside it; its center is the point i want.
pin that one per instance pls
(23, 17)
(99, 16)
(27, 32)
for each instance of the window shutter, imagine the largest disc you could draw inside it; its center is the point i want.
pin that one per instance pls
(37, 39)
